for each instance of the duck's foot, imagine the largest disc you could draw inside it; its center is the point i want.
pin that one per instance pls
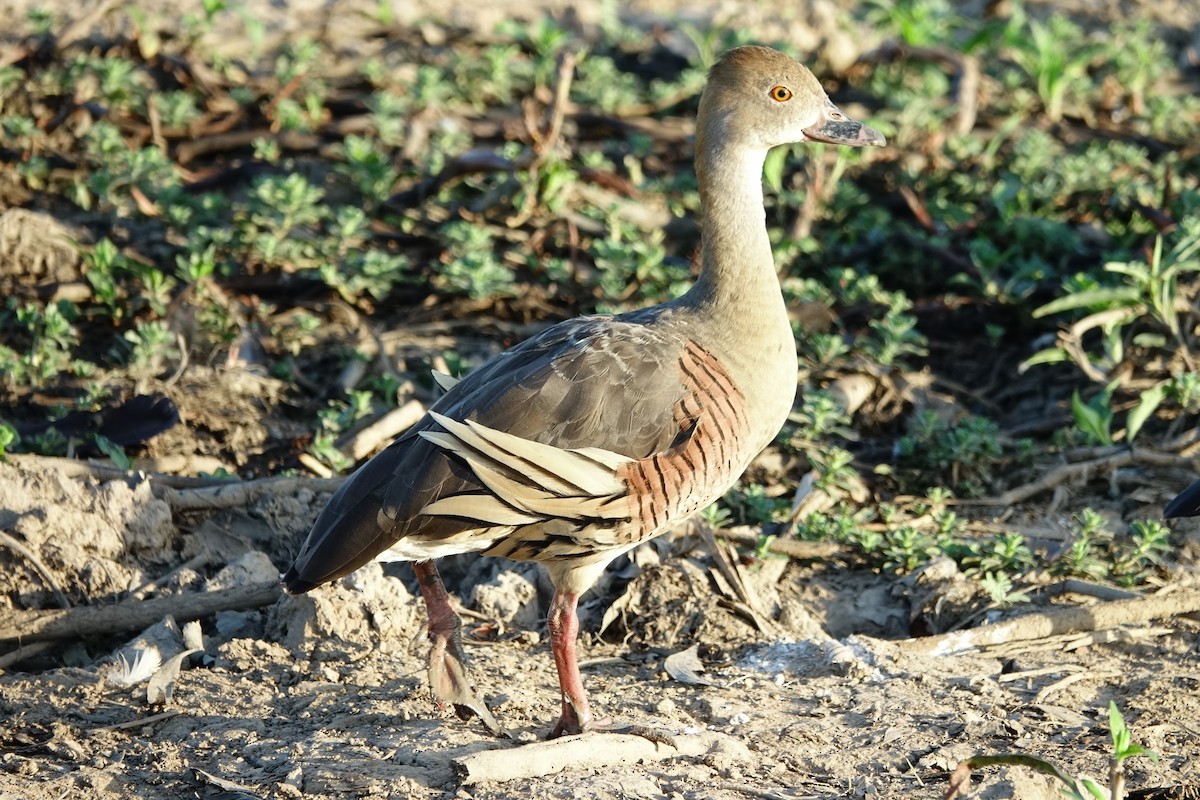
(656, 735)
(449, 679)
(569, 725)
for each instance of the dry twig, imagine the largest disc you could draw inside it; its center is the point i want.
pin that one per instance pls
(388, 426)
(242, 493)
(792, 548)
(74, 468)
(11, 542)
(34, 626)
(183, 493)
(1070, 473)
(1057, 621)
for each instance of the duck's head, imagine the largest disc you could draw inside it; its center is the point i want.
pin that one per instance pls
(758, 97)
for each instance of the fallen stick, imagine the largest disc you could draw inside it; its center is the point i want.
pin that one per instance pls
(966, 88)
(388, 426)
(792, 548)
(181, 492)
(1069, 473)
(74, 468)
(1058, 621)
(22, 653)
(589, 751)
(241, 493)
(11, 542)
(34, 626)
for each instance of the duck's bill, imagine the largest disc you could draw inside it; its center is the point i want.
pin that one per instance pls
(836, 128)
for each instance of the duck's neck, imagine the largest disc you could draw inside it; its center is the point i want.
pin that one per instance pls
(737, 270)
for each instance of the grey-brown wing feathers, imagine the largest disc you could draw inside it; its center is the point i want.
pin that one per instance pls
(610, 385)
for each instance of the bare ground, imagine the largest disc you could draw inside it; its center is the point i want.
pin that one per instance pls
(325, 695)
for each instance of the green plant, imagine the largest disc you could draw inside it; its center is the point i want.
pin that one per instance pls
(51, 335)
(1184, 390)
(1134, 558)
(1000, 591)
(114, 451)
(1079, 787)
(279, 210)
(333, 420)
(906, 548)
(750, 505)
(919, 23)
(835, 476)
(151, 346)
(1081, 557)
(471, 263)
(634, 264)
(370, 169)
(845, 526)
(1095, 417)
(1053, 53)
(1140, 313)
(120, 170)
(1139, 58)
(820, 416)
(1003, 553)
(961, 454)
(8, 438)
(716, 515)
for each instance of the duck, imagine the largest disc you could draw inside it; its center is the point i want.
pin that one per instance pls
(600, 432)
(1185, 504)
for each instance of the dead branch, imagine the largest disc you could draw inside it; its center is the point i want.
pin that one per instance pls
(543, 140)
(586, 752)
(236, 140)
(1072, 473)
(137, 723)
(1091, 589)
(388, 426)
(792, 548)
(101, 471)
(33, 626)
(23, 654)
(728, 569)
(12, 543)
(184, 493)
(82, 25)
(241, 494)
(1058, 621)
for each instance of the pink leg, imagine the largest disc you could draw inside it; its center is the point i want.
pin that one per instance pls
(448, 677)
(563, 624)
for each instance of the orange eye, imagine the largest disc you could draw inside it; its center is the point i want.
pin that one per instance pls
(781, 94)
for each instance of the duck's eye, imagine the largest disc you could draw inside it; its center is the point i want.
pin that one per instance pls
(781, 94)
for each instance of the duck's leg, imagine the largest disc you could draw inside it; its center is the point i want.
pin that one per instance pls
(448, 677)
(563, 624)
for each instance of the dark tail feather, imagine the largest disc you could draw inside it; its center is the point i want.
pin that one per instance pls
(294, 585)
(1186, 504)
